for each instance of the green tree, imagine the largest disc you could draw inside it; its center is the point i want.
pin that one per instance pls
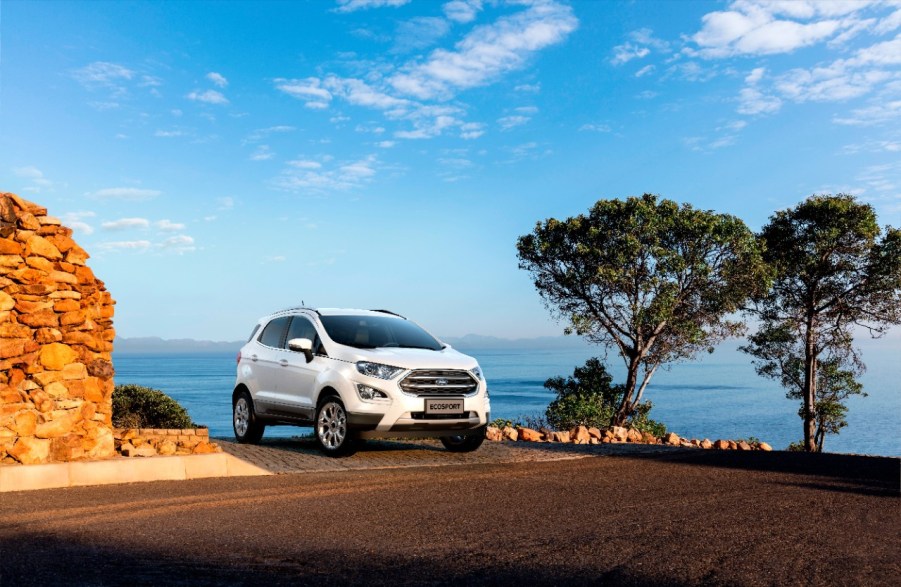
(588, 398)
(834, 270)
(651, 279)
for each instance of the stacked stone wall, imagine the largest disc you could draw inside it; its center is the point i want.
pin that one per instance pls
(56, 340)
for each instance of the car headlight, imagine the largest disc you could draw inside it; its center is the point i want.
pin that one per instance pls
(478, 373)
(378, 370)
(370, 393)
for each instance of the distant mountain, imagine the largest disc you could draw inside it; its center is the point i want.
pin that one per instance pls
(156, 345)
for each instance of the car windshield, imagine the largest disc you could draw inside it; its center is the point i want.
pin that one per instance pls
(370, 332)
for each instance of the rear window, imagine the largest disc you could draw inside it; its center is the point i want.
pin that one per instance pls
(274, 333)
(369, 332)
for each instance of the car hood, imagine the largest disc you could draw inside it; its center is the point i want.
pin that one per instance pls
(446, 358)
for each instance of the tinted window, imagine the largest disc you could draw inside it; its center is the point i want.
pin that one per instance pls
(303, 328)
(369, 332)
(274, 333)
(252, 334)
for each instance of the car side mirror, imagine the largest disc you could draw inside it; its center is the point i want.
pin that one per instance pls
(302, 345)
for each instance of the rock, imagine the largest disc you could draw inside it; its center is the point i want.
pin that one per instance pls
(204, 447)
(706, 444)
(764, 446)
(721, 445)
(55, 356)
(579, 435)
(620, 434)
(561, 436)
(140, 451)
(744, 446)
(24, 423)
(547, 433)
(733, 445)
(595, 433)
(633, 435)
(510, 433)
(59, 426)
(672, 438)
(529, 435)
(6, 302)
(38, 245)
(166, 447)
(30, 451)
(493, 434)
(594, 441)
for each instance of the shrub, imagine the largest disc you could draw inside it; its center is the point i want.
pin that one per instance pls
(136, 406)
(588, 398)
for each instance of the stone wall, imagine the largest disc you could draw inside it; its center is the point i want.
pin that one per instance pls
(56, 333)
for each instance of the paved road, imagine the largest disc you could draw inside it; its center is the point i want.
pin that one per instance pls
(675, 518)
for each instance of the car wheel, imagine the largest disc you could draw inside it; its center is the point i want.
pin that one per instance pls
(248, 429)
(464, 442)
(332, 433)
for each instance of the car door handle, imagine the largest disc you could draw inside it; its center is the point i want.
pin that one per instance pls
(253, 357)
(283, 362)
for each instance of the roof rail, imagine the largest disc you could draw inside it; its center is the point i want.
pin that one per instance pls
(297, 308)
(389, 312)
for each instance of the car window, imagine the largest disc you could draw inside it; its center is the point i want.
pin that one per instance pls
(369, 332)
(303, 328)
(253, 333)
(274, 333)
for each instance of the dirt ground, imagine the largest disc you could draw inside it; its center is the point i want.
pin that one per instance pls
(678, 518)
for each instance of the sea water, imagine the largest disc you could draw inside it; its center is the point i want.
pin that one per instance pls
(716, 396)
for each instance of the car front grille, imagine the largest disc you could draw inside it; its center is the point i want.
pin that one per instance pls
(439, 382)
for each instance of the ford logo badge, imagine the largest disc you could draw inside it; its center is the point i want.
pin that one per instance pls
(441, 382)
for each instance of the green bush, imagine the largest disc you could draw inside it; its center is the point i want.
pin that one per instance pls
(588, 398)
(136, 406)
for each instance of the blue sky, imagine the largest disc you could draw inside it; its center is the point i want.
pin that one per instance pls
(223, 160)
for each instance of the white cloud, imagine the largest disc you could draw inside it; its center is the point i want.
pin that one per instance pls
(139, 245)
(309, 90)
(354, 5)
(508, 122)
(305, 164)
(627, 52)
(126, 224)
(169, 226)
(755, 75)
(530, 88)
(766, 27)
(217, 78)
(596, 127)
(752, 101)
(261, 133)
(360, 93)
(102, 73)
(487, 52)
(167, 134)
(179, 244)
(644, 71)
(128, 194)
(419, 33)
(75, 221)
(262, 153)
(639, 46)
(471, 130)
(462, 11)
(878, 113)
(208, 97)
(316, 179)
(36, 179)
(386, 144)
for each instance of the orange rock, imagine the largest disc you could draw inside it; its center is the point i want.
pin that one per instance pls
(55, 428)
(706, 444)
(744, 445)
(39, 263)
(721, 445)
(77, 256)
(633, 435)
(62, 242)
(84, 274)
(55, 356)
(30, 451)
(24, 423)
(579, 435)
(6, 302)
(38, 245)
(765, 447)
(561, 436)
(28, 222)
(493, 434)
(63, 277)
(205, 448)
(10, 261)
(10, 247)
(41, 318)
(672, 439)
(529, 435)
(45, 335)
(595, 433)
(70, 318)
(12, 347)
(510, 433)
(619, 433)
(66, 306)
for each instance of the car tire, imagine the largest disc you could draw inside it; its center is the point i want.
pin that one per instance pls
(248, 428)
(332, 433)
(464, 442)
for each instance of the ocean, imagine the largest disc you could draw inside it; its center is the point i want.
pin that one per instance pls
(717, 396)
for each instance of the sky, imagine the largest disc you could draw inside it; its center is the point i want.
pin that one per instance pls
(223, 160)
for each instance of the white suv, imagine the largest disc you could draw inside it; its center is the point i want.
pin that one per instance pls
(353, 374)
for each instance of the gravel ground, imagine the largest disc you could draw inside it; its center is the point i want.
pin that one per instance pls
(679, 517)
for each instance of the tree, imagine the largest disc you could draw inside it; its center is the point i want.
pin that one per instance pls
(651, 279)
(588, 398)
(834, 270)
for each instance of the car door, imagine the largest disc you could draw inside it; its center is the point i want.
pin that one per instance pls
(297, 377)
(265, 363)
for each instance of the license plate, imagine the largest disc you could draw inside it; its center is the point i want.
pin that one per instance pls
(444, 405)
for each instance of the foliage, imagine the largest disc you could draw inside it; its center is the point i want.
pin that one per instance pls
(588, 398)
(136, 406)
(833, 270)
(503, 423)
(649, 278)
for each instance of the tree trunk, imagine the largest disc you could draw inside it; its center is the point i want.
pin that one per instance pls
(820, 437)
(625, 405)
(810, 388)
